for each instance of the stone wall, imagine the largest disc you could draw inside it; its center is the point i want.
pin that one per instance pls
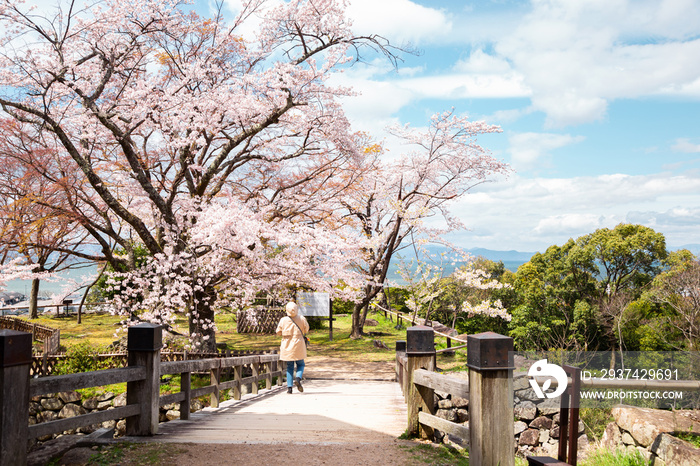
(536, 426)
(70, 404)
(649, 431)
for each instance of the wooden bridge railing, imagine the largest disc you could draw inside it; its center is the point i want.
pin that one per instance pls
(489, 390)
(50, 336)
(443, 331)
(142, 376)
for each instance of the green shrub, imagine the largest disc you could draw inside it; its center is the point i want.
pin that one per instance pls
(83, 357)
(315, 323)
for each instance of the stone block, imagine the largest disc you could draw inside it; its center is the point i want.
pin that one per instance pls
(445, 404)
(71, 410)
(69, 397)
(529, 437)
(672, 450)
(549, 407)
(90, 403)
(612, 437)
(462, 415)
(645, 424)
(541, 422)
(51, 404)
(460, 402)
(525, 411)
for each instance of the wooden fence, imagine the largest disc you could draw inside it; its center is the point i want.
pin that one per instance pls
(489, 390)
(263, 321)
(45, 365)
(50, 336)
(490, 393)
(142, 376)
(439, 329)
(67, 307)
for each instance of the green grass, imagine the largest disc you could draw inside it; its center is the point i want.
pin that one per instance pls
(604, 457)
(135, 454)
(690, 437)
(439, 455)
(100, 330)
(595, 421)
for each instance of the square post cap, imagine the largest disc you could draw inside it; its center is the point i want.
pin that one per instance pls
(400, 346)
(15, 348)
(420, 340)
(489, 351)
(145, 337)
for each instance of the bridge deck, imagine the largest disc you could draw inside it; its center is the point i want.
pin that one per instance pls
(328, 411)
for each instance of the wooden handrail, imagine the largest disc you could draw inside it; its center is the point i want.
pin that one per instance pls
(490, 432)
(400, 316)
(70, 382)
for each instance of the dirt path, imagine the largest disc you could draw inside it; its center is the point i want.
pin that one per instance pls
(396, 453)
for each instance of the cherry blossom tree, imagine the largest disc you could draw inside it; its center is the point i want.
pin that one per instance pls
(33, 223)
(206, 146)
(476, 279)
(401, 198)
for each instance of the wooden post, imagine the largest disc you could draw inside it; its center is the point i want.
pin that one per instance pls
(268, 375)
(281, 369)
(237, 376)
(568, 417)
(186, 388)
(256, 372)
(400, 351)
(489, 358)
(15, 361)
(144, 342)
(215, 378)
(420, 350)
(330, 321)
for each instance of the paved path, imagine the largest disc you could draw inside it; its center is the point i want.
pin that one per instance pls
(331, 410)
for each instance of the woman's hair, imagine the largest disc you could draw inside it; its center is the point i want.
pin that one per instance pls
(292, 309)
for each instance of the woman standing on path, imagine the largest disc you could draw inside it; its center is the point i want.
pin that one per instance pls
(293, 329)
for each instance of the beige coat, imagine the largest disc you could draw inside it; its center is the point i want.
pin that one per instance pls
(292, 347)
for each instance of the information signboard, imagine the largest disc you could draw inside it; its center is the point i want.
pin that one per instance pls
(314, 304)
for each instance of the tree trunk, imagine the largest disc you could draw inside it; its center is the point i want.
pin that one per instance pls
(87, 290)
(359, 312)
(200, 332)
(33, 298)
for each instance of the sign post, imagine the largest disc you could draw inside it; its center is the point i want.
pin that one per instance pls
(316, 304)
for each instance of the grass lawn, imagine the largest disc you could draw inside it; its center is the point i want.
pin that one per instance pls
(100, 330)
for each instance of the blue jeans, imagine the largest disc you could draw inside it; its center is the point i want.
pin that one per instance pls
(290, 371)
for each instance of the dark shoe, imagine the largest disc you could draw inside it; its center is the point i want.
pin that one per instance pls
(289, 389)
(297, 382)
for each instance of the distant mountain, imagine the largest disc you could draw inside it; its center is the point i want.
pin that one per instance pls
(511, 259)
(509, 256)
(694, 248)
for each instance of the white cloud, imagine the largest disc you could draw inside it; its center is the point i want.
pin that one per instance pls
(528, 148)
(532, 214)
(400, 21)
(684, 145)
(465, 86)
(571, 224)
(479, 62)
(578, 56)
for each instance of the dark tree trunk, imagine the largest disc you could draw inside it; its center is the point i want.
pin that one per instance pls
(359, 313)
(204, 308)
(33, 298)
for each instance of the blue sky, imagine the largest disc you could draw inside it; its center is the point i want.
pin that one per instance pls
(599, 102)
